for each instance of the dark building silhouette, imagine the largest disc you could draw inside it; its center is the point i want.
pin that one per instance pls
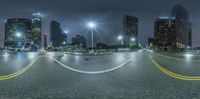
(165, 34)
(74, 40)
(151, 43)
(37, 30)
(45, 40)
(57, 37)
(190, 35)
(130, 28)
(183, 26)
(80, 41)
(17, 33)
(101, 46)
(173, 33)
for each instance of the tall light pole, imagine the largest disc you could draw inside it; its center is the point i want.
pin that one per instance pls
(92, 25)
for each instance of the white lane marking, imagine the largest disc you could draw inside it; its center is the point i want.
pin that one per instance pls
(92, 72)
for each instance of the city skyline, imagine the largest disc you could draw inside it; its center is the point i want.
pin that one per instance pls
(109, 26)
(99, 49)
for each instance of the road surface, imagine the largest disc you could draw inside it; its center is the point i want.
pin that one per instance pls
(128, 75)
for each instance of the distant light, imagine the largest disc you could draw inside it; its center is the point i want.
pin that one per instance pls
(37, 14)
(6, 56)
(31, 55)
(64, 43)
(166, 17)
(32, 43)
(66, 32)
(91, 25)
(188, 56)
(141, 50)
(18, 34)
(151, 51)
(120, 37)
(51, 54)
(133, 39)
(19, 43)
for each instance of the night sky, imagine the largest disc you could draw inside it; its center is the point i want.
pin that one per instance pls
(74, 14)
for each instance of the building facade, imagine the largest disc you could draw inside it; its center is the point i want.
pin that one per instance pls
(45, 40)
(190, 36)
(151, 43)
(18, 33)
(165, 34)
(173, 33)
(130, 29)
(37, 30)
(57, 37)
(80, 41)
(182, 26)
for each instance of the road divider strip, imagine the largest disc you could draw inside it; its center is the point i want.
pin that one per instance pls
(92, 72)
(170, 57)
(174, 75)
(6, 77)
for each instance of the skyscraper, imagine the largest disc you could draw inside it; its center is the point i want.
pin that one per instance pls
(37, 29)
(80, 41)
(165, 34)
(182, 26)
(190, 36)
(45, 40)
(57, 37)
(83, 42)
(130, 28)
(17, 33)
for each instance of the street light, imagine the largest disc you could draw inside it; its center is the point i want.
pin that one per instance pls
(132, 39)
(64, 43)
(92, 25)
(66, 31)
(18, 34)
(120, 38)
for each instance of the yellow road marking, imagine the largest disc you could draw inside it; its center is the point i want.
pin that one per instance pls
(172, 74)
(5, 77)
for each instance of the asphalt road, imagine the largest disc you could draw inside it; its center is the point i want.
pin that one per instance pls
(42, 77)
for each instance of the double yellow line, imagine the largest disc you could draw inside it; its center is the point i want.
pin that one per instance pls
(6, 77)
(172, 74)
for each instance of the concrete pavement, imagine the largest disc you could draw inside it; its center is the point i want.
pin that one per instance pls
(139, 79)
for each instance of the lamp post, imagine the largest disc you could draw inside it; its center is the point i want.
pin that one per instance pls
(92, 25)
